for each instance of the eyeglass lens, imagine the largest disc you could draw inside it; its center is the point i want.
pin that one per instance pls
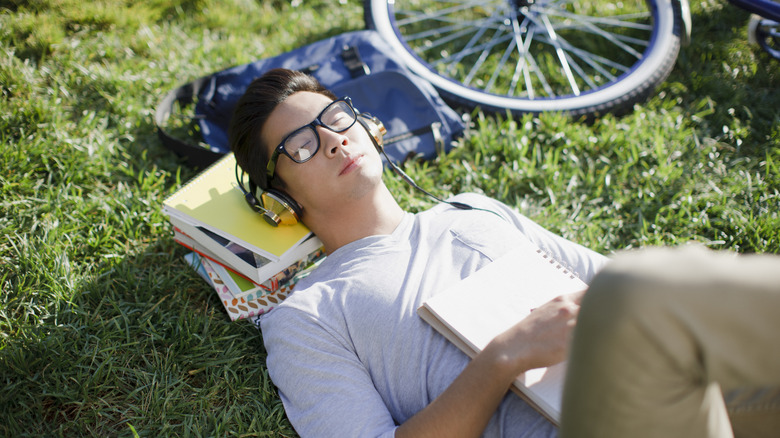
(302, 144)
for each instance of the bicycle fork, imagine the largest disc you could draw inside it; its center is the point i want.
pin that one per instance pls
(683, 10)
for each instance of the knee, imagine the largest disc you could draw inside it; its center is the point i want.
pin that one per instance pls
(641, 288)
(632, 287)
(633, 278)
(616, 294)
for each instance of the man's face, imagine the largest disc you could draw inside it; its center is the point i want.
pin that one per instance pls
(346, 167)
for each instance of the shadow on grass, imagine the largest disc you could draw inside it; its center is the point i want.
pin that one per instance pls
(145, 344)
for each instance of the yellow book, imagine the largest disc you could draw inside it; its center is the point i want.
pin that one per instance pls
(213, 200)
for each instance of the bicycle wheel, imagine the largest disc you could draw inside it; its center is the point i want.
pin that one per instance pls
(765, 33)
(580, 57)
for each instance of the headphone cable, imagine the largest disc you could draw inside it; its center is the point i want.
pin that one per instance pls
(408, 179)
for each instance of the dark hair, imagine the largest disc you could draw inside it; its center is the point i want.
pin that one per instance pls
(251, 112)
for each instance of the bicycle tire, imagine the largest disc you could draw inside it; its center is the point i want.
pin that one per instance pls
(765, 33)
(570, 63)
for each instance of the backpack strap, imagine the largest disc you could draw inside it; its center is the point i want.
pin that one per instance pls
(195, 155)
(199, 156)
(356, 64)
(353, 62)
(434, 128)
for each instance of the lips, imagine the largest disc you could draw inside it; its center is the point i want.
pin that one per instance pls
(351, 164)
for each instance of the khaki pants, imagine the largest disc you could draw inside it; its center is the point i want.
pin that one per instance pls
(663, 333)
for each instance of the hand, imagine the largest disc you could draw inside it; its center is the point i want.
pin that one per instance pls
(542, 338)
(464, 409)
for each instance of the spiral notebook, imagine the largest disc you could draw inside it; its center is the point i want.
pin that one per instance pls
(488, 302)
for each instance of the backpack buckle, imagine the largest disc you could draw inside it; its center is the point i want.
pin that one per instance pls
(353, 62)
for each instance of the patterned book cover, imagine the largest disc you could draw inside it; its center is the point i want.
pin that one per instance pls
(251, 302)
(241, 287)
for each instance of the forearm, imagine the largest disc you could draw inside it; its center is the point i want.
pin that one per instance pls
(464, 409)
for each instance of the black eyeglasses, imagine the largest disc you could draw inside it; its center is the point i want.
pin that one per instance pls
(303, 143)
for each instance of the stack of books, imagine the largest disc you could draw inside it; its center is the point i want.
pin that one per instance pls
(250, 264)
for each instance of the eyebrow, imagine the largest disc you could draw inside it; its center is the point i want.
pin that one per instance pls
(319, 113)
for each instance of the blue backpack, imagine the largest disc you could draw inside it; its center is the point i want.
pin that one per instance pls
(357, 64)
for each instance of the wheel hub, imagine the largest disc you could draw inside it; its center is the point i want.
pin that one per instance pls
(520, 4)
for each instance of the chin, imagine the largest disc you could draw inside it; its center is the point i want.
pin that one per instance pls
(369, 182)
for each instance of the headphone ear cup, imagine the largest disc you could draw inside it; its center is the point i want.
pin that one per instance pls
(275, 206)
(375, 128)
(279, 208)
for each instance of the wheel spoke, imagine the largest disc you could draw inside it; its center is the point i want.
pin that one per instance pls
(544, 51)
(473, 41)
(503, 42)
(534, 67)
(431, 44)
(485, 47)
(590, 25)
(486, 50)
(417, 16)
(561, 56)
(522, 45)
(597, 61)
(526, 62)
(463, 28)
(592, 59)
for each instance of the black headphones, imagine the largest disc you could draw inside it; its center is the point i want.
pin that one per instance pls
(277, 207)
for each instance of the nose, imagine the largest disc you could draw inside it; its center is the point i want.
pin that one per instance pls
(331, 141)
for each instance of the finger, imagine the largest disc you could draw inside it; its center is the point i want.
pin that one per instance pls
(576, 297)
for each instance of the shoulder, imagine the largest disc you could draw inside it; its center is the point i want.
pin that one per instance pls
(299, 325)
(319, 300)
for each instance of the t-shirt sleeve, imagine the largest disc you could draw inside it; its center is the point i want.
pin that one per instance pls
(325, 389)
(577, 258)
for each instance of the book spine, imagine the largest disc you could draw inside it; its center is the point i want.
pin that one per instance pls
(193, 246)
(280, 280)
(265, 276)
(245, 307)
(226, 250)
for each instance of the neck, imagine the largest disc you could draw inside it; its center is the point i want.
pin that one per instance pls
(379, 214)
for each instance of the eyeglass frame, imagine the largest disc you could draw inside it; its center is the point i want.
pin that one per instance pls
(280, 149)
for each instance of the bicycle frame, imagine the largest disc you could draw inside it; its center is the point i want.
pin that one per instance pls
(764, 26)
(765, 8)
(684, 10)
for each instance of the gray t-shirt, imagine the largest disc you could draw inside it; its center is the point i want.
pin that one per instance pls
(347, 350)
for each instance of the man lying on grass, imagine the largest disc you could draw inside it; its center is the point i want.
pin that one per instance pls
(347, 350)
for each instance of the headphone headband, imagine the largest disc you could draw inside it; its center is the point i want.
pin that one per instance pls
(277, 207)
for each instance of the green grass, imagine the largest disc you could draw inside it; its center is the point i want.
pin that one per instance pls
(104, 331)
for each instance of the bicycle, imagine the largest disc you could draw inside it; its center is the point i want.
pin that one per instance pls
(764, 25)
(582, 58)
